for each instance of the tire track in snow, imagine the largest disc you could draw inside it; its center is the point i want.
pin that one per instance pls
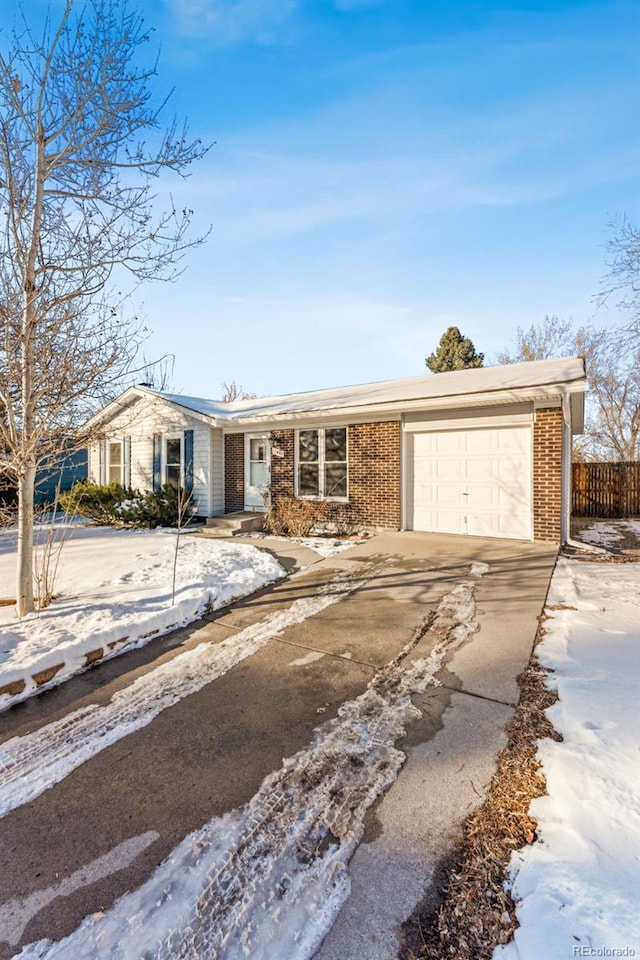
(31, 764)
(268, 880)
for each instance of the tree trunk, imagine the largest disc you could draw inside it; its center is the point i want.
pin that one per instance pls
(27, 476)
(24, 579)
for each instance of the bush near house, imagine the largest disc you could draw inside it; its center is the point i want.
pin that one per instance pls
(289, 517)
(114, 505)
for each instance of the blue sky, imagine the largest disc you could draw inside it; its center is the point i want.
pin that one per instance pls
(383, 169)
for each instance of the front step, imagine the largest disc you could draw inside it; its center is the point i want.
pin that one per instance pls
(232, 523)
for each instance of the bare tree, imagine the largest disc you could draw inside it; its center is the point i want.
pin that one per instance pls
(612, 428)
(157, 374)
(233, 391)
(80, 146)
(551, 338)
(621, 283)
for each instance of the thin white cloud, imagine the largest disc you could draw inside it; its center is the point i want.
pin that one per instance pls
(228, 22)
(259, 194)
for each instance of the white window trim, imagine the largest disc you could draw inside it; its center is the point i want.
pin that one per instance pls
(108, 445)
(321, 464)
(163, 460)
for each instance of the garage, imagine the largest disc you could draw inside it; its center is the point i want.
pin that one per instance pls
(471, 481)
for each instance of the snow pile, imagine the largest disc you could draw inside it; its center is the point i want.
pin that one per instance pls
(267, 880)
(114, 592)
(577, 886)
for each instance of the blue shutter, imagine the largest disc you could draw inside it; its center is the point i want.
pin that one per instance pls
(188, 460)
(157, 461)
(102, 462)
(126, 457)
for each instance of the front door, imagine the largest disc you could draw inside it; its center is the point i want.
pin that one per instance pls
(257, 471)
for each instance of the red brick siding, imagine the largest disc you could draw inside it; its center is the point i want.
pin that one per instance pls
(233, 472)
(282, 464)
(374, 474)
(547, 474)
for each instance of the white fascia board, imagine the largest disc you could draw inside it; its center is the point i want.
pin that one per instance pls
(576, 406)
(572, 402)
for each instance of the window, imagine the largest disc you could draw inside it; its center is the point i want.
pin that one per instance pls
(116, 462)
(322, 463)
(173, 461)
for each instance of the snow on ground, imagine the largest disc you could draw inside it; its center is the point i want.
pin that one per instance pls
(610, 534)
(577, 887)
(268, 880)
(324, 546)
(32, 763)
(114, 592)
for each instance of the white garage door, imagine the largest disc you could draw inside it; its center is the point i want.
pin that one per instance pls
(476, 482)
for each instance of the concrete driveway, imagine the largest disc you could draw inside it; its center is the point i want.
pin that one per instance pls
(375, 611)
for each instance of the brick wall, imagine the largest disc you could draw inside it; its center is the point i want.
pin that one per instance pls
(233, 472)
(282, 464)
(547, 474)
(374, 474)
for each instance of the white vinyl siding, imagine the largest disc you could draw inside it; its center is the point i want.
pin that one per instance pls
(476, 482)
(148, 416)
(216, 473)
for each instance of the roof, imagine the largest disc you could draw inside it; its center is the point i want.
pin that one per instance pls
(507, 377)
(507, 382)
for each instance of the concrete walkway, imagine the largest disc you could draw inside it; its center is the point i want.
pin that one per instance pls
(209, 752)
(451, 752)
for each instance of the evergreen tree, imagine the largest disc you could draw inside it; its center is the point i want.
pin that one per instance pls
(455, 352)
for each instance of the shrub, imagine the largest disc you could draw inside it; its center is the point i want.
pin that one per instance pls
(114, 505)
(288, 517)
(95, 501)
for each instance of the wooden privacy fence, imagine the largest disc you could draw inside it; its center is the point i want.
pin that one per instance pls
(606, 489)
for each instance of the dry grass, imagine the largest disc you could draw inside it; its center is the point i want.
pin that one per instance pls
(625, 547)
(477, 913)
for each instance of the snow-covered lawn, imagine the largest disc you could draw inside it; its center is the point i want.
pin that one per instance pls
(114, 593)
(578, 886)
